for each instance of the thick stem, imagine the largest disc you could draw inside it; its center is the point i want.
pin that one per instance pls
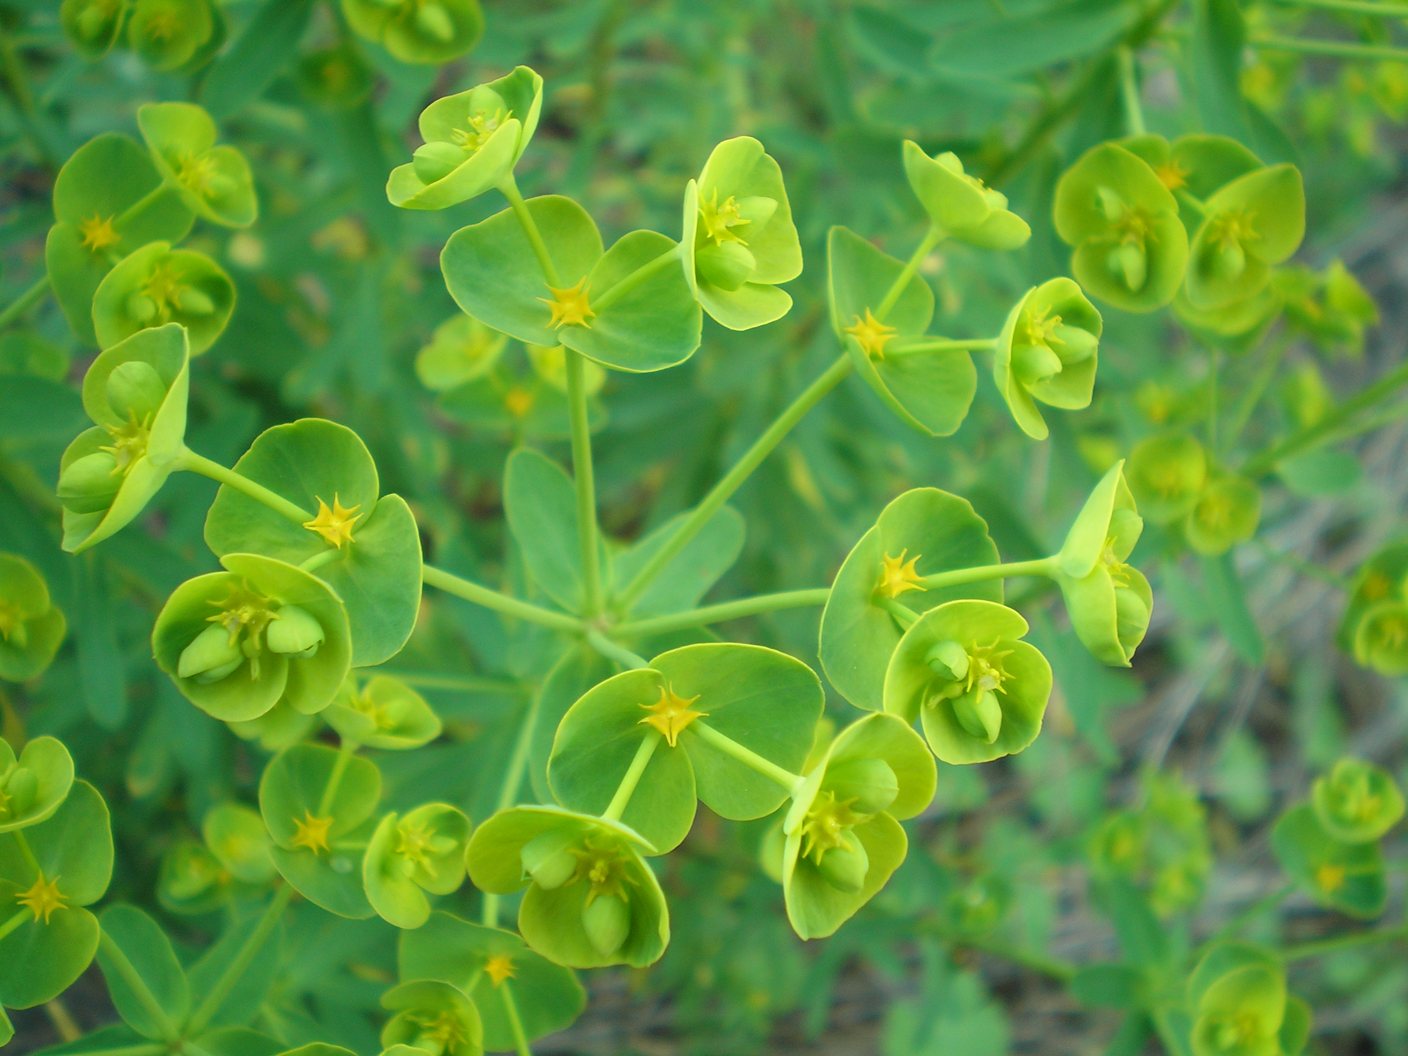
(1252, 395)
(1042, 566)
(612, 651)
(745, 755)
(631, 778)
(339, 768)
(515, 1024)
(734, 479)
(499, 602)
(509, 189)
(234, 971)
(941, 344)
(1340, 49)
(932, 238)
(133, 978)
(63, 1021)
(508, 789)
(728, 610)
(141, 203)
(903, 614)
(189, 460)
(585, 477)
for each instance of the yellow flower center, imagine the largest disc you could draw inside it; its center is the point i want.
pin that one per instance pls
(414, 842)
(825, 825)
(1172, 175)
(195, 172)
(311, 832)
(481, 127)
(1233, 228)
(1376, 585)
(334, 523)
(518, 401)
(98, 233)
(871, 334)
(898, 576)
(163, 287)
(43, 898)
(570, 306)
(720, 219)
(985, 667)
(1038, 328)
(671, 714)
(499, 968)
(1329, 877)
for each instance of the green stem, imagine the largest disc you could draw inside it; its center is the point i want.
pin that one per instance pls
(745, 755)
(27, 853)
(499, 602)
(23, 99)
(941, 344)
(728, 610)
(515, 1025)
(1252, 396)
(194, 463)
(25, 301)
(585, 477)
(318, 560)
(1317, 431)
(462, 683)
(612, 651)
(1372, 8)
(1042, 566)
(234, 971)
(1214, 394)
(670, 258)
(1341, 49)
(903, 614)
(1036, 961)
(734, 479)
(631, 778)
(63, 1021)
(1260, 906)
(133, 978)
(1343, 942)
(15, 923)
(509, 189)
(339, 768)
(1129, 92)
(508, 789)
(932, 238)
(141, 203)
(1192, 200)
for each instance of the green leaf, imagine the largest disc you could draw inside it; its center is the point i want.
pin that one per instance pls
(253, 984)
(1228, 601)
(684, 581)
(268, 42)
(142, 943)
(540, 503)
(1348, 877)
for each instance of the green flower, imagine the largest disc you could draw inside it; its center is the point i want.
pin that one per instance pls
(1047, 353)
(1162, 846)
(428, 31)
(31, 626)
(1130, 247)
(411, 855)
(842, 837)
(213, 179)
(91, 26)
(1168, 474)
(1381, 638)
(962, 207)
(1194, 166)
(739, 240)
(473, 140)
(384, 713)
(1381, 578)
(432, 1018)
(157, 285)
(591, 900)
(1330, 306)
(236, 838)
(460, 350)
(1241, 1008)
(263, 631)
(33, 785)
(1357, 802)
(1251, 224)
(1348, 877)
(168, 33)
(1225, 513)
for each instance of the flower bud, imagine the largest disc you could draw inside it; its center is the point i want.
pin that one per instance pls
(845, 866)
(211, 656)
(434, 22)
(1077, 343)
(607, 922)
(135, 390)
(92, 23)
(434, 161)
(1130, 261)
(727, 265)
(549, 860)
(1131, 615)
(89, 484)
(980, 714)
(1034, 363)
(294, 632)
(949, 661)
(869, 785)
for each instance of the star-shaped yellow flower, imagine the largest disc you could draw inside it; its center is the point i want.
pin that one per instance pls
(570, 306)
(499, 968)
(671, 714)
(1329, 877)
(871, 334)
(43, 898)
(898, 576)
(334, 523)
(311, 832)
(97, 233)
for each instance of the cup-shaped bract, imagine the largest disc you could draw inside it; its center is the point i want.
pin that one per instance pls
(1357, 802)
(1251, 224)
(460, 350)
(1109, 600)
(1381, 578)
(31, 626)
(430, 1016)
(591, 900)
(384, 713)
(158, 285)
(1197, 164)
(1348, 877)
(1236, 324)
(674, 714)
(959, 205)
(63, 865)
(739, 239)
(263, 631)
(213, 179)
(1047, 353)
(428, 31)
(882, 327)
(1130, 247)
(1331, 306)
(109, 200)
(135, 393)
(413, 855)
(1240, 1007)
(473, 140)
(841, 836)
(1381, 638)
(191, 880)
(1167, 474)
(515, 989)
(977, 689)
(168, 33)
(1226, 513)
(236, 837)
(34, 784)
(92, 26)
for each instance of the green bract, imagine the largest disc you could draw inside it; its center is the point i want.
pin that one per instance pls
(1357, 802)
(213, 179)
(1252, 223)
(1046, 353)
(1108, 599)
(1346, 876)
(31, 625)
(1162, 846)
(34, 785)
(65, 865)
(1331, 306)
(264, 631)
(1226, 513)
(672, 714)
(91, 25)
(591, 899)
(158, 285)
(431, 31)
(1237, 995)
(431, 1017)
(460, 350)
(317, 804)
(1196, 164)
(109, 199)
(1381, 638)
(236, 837)
(367, 544)
(192, 880)
(473, 139)
(1381, 578)
(1168, 473)
(842, 835)
(931, 389)
(629, 308)
(1130, 247)
(921, 532)
(135, 393)
(507, 981)
(410, 855)
(739, 241)
(960, 206)
(384, 713)
(168, 33)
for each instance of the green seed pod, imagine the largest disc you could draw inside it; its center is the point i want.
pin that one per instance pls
(294, 632)
(434, 22)
(844, 867)
(195, 301)
(728, 266)
(949, 661)
(868, 785)
(979, 713)
(212, 656)
(436, 160)
(141, 308)
(135, 390)
(90, 484)
(607, 922)
(549, 860)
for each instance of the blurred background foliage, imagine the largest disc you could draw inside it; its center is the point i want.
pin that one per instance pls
(1239, 688)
